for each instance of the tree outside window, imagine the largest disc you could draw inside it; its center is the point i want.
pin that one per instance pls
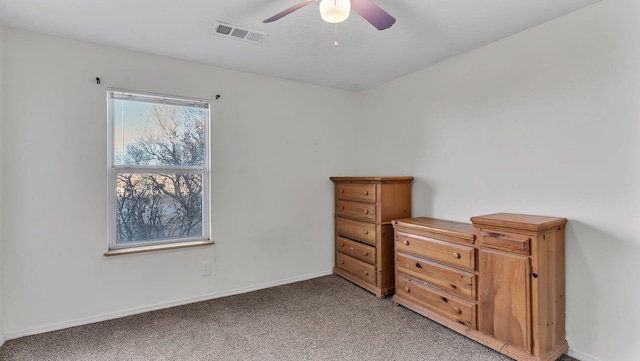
(158, 169)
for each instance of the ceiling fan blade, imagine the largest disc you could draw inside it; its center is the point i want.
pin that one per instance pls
(379, 18)
(289, 10)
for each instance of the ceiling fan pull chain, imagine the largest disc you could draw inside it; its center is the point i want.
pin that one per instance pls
(336, 43)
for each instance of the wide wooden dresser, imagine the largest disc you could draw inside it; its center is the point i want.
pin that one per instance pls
(499, 280)
(364, 208)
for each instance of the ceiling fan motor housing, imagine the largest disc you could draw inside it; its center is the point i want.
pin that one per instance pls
(335, 11)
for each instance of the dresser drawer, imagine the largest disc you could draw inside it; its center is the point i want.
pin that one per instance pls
(361, 231)
(451, 307)
(452, 254)
(511, 242)
(364, 211)
(359, 192)
(356, 250)
(446, 278)
(358, 268)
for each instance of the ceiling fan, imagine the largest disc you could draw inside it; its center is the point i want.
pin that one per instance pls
(335, 11)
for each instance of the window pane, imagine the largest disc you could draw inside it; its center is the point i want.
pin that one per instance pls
(152, 134)
(158, 206)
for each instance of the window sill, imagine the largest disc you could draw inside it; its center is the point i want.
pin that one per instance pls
(158, 247)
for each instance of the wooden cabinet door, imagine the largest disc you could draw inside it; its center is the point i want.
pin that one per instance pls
(504, 303)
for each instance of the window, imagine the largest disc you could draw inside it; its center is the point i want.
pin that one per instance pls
(158, 171)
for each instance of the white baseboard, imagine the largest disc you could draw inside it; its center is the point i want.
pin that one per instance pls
(2, 340)
(159, 306)
(581, 356)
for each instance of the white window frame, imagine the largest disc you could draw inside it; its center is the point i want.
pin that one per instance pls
(113, 169)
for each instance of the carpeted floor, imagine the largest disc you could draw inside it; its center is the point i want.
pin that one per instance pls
(326, 318)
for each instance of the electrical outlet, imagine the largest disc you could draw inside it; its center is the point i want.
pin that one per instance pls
(206, 268)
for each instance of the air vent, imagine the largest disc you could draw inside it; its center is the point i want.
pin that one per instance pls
(236, 32)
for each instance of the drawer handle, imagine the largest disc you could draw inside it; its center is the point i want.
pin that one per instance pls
(342, 245)
(366, 253)
(342, 208)
(406, 289)
(366, 273)
(457, 310)
(366, 193)
(456, 255)
(352, 248)
(366, 232)
(366, 211)
(341, 190)
(341, 262)
(406, 243)
(418, 265)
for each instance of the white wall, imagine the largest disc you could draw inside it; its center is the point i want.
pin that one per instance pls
(544, 122)
(274, 148)
(1, 193)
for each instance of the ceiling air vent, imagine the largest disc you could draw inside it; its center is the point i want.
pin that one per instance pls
(237, 32)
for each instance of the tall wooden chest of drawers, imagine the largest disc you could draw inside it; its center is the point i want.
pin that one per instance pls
(499, 281)
(364, 208)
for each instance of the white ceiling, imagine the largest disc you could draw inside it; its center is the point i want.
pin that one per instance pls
(299, 46)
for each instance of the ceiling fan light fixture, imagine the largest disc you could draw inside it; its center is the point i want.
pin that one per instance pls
(335, 11)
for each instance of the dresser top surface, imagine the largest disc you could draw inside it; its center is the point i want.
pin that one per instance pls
(456, 229)
(394, 179)
(519, 221)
